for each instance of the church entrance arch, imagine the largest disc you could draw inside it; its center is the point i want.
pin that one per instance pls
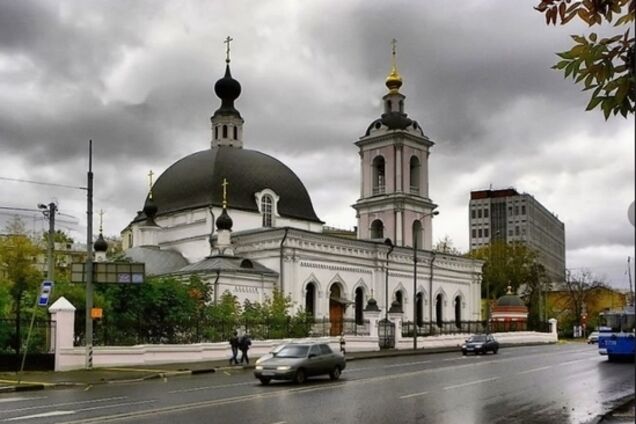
(419, 309)
(310, 300)
(336, 309)
(359, 306)
(438, 309)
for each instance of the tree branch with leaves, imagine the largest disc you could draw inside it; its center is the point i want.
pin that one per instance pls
(606, 66)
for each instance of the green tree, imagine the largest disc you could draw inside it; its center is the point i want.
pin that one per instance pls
(513, 264)
(606, 66)
(20, 276)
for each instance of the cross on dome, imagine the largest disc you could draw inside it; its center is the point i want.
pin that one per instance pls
(227, 41)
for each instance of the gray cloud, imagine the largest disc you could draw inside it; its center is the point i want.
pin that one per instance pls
(137, 78)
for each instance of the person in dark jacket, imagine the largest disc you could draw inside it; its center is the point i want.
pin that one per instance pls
(244, 345)
(234, 344)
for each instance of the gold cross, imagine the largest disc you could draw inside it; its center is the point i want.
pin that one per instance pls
(224, 184)
(101, 216)
(394, 48)
(227, 48)
(150, 174)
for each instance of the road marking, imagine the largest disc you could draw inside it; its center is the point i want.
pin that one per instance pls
(221, 386)
(72, 412)
(280, 422)
(413, 395)
(42, 415)
(573, 362)
(57, 405)
(18, 399)
(405, 364)
(533, 370)
(470, 383)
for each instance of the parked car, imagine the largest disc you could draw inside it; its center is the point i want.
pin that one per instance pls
(480, 343)
(297, 361)
(593, 337)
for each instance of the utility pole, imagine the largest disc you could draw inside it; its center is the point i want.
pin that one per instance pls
(629, 275)
(50, 212)
(89, 259)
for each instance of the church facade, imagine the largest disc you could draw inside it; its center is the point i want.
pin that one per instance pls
(243, 222)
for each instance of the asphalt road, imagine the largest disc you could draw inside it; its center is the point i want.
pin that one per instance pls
(536, 384)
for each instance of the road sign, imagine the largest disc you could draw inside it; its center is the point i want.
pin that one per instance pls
(45, 293)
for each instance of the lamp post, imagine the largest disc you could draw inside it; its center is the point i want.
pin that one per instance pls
(49, 212)
(490, 264)
(415, 280)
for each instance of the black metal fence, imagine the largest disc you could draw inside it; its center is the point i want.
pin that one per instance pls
(454, 327)
(201, 331)
(206, 330)
(13, 343)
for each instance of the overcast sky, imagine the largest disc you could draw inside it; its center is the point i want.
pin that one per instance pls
(137, 78)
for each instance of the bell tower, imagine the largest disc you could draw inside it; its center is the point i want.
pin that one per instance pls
(394, 201)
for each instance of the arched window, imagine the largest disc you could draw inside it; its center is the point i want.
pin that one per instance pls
(235, 133)
(388, 106)
(419, 309)
(458, 312)
(310, 300)
(359, 306)
(414, 175)
(379, 180)
(216, 133)
(399, 297)
(417, 234)
(377, 229)
(401, 106)
(224, 131)
(266, 210)
(438, 309)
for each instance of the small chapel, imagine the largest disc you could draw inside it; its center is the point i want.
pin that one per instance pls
(244, 222)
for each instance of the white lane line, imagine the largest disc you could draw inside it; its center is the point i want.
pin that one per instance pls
(71, 412)
(57, 405)
(221, 386)
(405, 364)
(413, 395)
(470, 383)
(534, 370)
(280, 422)
(573, 362)
(42, 415)
(19, 399)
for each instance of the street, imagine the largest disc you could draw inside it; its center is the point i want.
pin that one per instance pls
(563, 383)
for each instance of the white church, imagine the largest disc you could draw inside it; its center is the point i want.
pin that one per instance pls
(243, 222)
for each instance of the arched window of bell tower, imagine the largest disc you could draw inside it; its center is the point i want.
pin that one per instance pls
(387, 106)
(417, 233)
(235, 133)
(216, 133)
(414, 175)
(401, 106)
(377, 229)
(378, 175)
(224, 131)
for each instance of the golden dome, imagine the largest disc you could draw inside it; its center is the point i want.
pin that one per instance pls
(394, 80)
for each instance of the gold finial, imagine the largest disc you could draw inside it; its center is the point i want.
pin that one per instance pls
(224, 184)
(150, 174)
(101, 220)
(227, 41)
(394, 80)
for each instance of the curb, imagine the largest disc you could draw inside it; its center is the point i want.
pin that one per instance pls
(619, 404)
(22, 388)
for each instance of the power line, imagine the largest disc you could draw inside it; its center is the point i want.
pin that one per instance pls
(20, 180)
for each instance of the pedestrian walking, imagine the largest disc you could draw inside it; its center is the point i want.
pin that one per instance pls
(234, 344)
(244, 344)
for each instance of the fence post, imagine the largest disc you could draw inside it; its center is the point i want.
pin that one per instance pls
(63, 314)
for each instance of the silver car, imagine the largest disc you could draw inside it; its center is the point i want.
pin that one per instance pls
(297, 361)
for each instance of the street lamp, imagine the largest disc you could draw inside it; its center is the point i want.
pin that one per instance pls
(490, 264)
(431, 214)
(49, 212)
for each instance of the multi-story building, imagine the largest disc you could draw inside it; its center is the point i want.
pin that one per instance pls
(510, 216)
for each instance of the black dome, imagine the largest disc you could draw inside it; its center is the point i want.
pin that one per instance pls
(394, 121)
(195, 182)
(150, 208)
(227, 89)
(224, 222)
(100, 244)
